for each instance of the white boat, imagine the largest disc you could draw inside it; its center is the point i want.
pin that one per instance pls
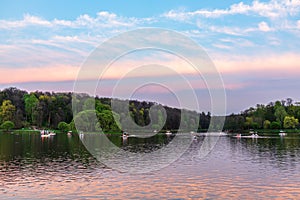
(168, 133)
(251, 136)
(214, 134)
(282, 133)
(125, 135)
(51, 134)
(45, 135)
(254, 135)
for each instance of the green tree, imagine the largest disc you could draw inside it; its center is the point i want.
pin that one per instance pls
(30, 104)
(234, 122)
(72, 126)
(89, 104)
(107, 121)
(249, 122)
(7, 125)
(160, 118)
(46, 108)
(101, 107)
(275, 125)
(7, 111)
(267, 124)
(290, 122)
(280, 114)
(86, 120)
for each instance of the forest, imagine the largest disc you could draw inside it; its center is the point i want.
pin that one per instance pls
(21, 109)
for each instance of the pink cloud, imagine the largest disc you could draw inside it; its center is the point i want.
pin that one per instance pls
(278, 65)
(235, 70)
(38, 74)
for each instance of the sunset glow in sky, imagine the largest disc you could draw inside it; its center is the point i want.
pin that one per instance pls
(255, 45)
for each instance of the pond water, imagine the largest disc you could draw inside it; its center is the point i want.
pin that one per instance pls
(60, 167)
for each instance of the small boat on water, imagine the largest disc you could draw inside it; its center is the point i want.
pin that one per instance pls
(45, 136)
(51, 134)
(168, 133)
(282, 133)
(47, 133)
(125, 135)
(214, 134)
(254, 135)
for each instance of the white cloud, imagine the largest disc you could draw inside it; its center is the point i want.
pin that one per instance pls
(62, 22)
(222, 46)
(274, 41)
(60, 41)
(236, 31)
(272, 9)
(106, 14)
(275, 15)
(263, 26)
(237, 42)
(239, 8)
(27, 20)
(34, 20)
(102, 19)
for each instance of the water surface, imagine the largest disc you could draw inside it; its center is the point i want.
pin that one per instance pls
(60, 167)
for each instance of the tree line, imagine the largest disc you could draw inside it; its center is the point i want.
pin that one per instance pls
(20, 109)
(55, 110)
(284, 114)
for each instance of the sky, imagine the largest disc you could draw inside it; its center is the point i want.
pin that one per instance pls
(254, 45)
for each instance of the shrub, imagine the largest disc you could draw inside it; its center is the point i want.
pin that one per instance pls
(63, 126)
(7, 125)
(275, 125)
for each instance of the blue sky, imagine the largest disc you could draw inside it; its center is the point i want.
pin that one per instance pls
(70, 9)
(254, 44)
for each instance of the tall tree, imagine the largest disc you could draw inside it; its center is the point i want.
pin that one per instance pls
(31, 101)
(267, 124)
(280, 114)
(7, 111)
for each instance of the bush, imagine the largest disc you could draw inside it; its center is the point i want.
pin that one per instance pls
(7, 125)
(275, 125)
(72, 126)
(267, 124)
(63, 126)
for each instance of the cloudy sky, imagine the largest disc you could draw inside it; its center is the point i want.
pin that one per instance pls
(255, 45)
